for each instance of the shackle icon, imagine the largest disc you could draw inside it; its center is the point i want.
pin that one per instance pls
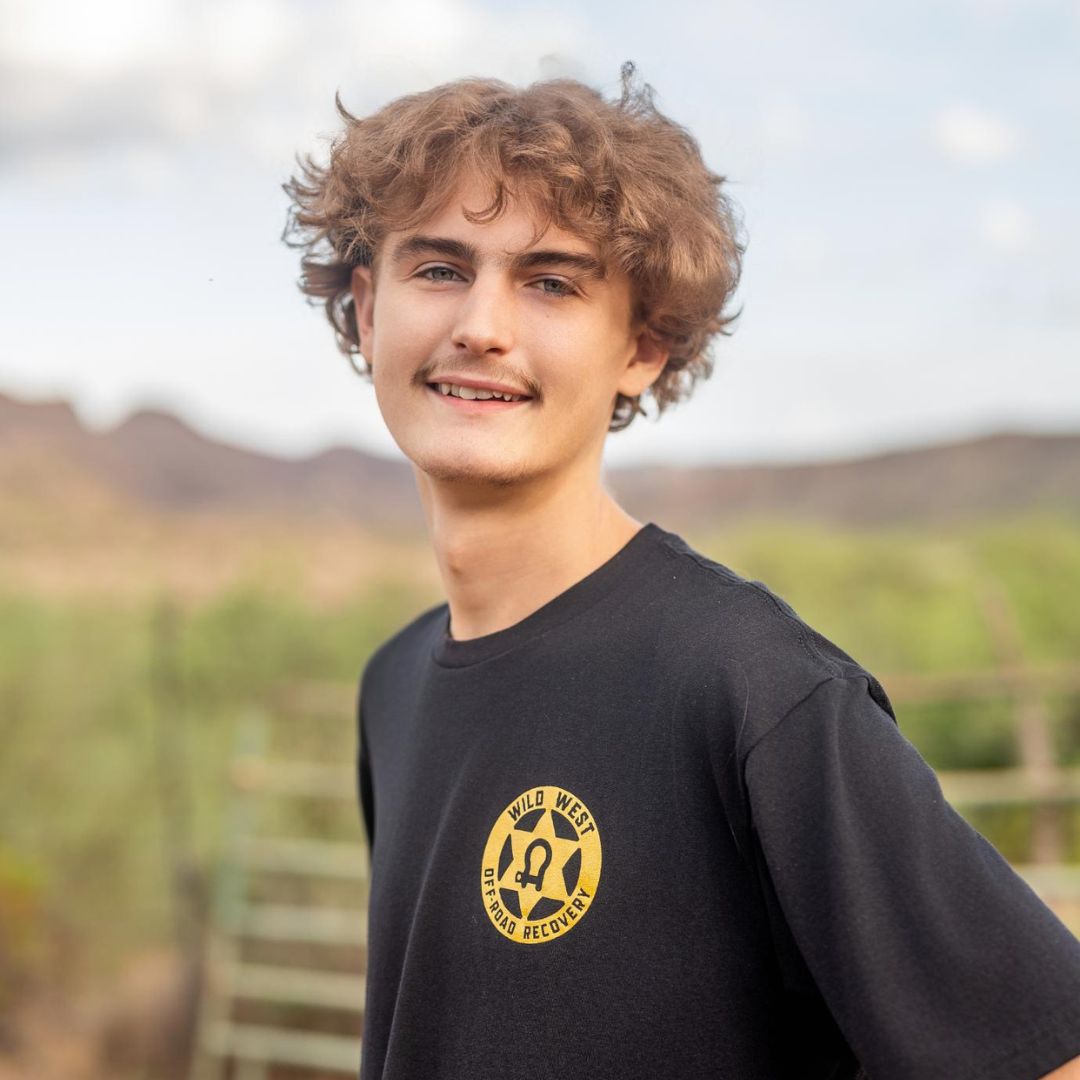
(527, 876)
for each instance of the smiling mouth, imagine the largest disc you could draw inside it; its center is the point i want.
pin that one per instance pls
(476, 405)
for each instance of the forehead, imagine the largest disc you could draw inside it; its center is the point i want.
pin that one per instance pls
(515, 228)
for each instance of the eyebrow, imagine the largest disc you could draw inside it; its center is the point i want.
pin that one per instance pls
(586, 265)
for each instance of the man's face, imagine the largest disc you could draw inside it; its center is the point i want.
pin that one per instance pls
(542, 324)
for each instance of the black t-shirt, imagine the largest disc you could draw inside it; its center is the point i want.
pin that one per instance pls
(663, 828)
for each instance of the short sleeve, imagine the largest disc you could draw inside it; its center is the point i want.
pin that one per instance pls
(934, 957)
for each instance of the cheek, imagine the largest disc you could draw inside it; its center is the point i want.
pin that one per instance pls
(398, 355)
(592, 379)
(572, 362)
(403, 329)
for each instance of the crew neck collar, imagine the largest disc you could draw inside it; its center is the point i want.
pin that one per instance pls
(451, 653)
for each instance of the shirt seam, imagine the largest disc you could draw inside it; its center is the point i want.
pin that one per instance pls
(735, 580)
(798, 705)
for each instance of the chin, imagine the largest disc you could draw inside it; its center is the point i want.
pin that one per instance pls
(446, 469)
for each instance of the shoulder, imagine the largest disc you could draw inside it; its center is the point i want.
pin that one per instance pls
(402, 653)
(761, 656)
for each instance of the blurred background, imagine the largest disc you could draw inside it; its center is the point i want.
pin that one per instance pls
(205, 527)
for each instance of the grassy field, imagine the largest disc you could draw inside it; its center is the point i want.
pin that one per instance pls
(118, 706)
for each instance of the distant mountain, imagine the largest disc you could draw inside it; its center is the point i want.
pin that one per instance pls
(153, 460)
(992, 476)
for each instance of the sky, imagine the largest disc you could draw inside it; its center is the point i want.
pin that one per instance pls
(906, 176)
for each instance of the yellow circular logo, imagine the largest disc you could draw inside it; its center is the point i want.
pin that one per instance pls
(541, 865)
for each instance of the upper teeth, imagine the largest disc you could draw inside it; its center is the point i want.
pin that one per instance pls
(470, 393)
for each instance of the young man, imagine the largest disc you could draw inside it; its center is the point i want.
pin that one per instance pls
(630, 815)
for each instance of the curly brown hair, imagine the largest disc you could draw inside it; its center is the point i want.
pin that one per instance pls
(619, 173)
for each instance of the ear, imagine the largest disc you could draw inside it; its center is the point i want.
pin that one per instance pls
(644, 366)
(362, 287)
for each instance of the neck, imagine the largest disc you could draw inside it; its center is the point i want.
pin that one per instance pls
(502, 559)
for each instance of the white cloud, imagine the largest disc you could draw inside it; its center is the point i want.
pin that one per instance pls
(243, 41)
(972, 136)
(85, 40)
(83, 81)
(1005, 225)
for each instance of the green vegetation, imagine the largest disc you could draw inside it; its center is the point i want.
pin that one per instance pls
(118, 724)
(907, 601)
(118, 720)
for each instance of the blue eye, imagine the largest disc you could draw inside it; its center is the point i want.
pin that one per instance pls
(565, 288)
(430, 269)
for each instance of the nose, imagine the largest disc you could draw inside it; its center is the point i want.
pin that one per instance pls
(484, 320)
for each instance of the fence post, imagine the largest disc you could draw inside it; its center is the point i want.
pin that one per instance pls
(1034, 735)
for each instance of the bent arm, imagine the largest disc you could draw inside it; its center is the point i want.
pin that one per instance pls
(935, 958)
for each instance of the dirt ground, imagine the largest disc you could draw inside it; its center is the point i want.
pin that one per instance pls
(129, 554)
